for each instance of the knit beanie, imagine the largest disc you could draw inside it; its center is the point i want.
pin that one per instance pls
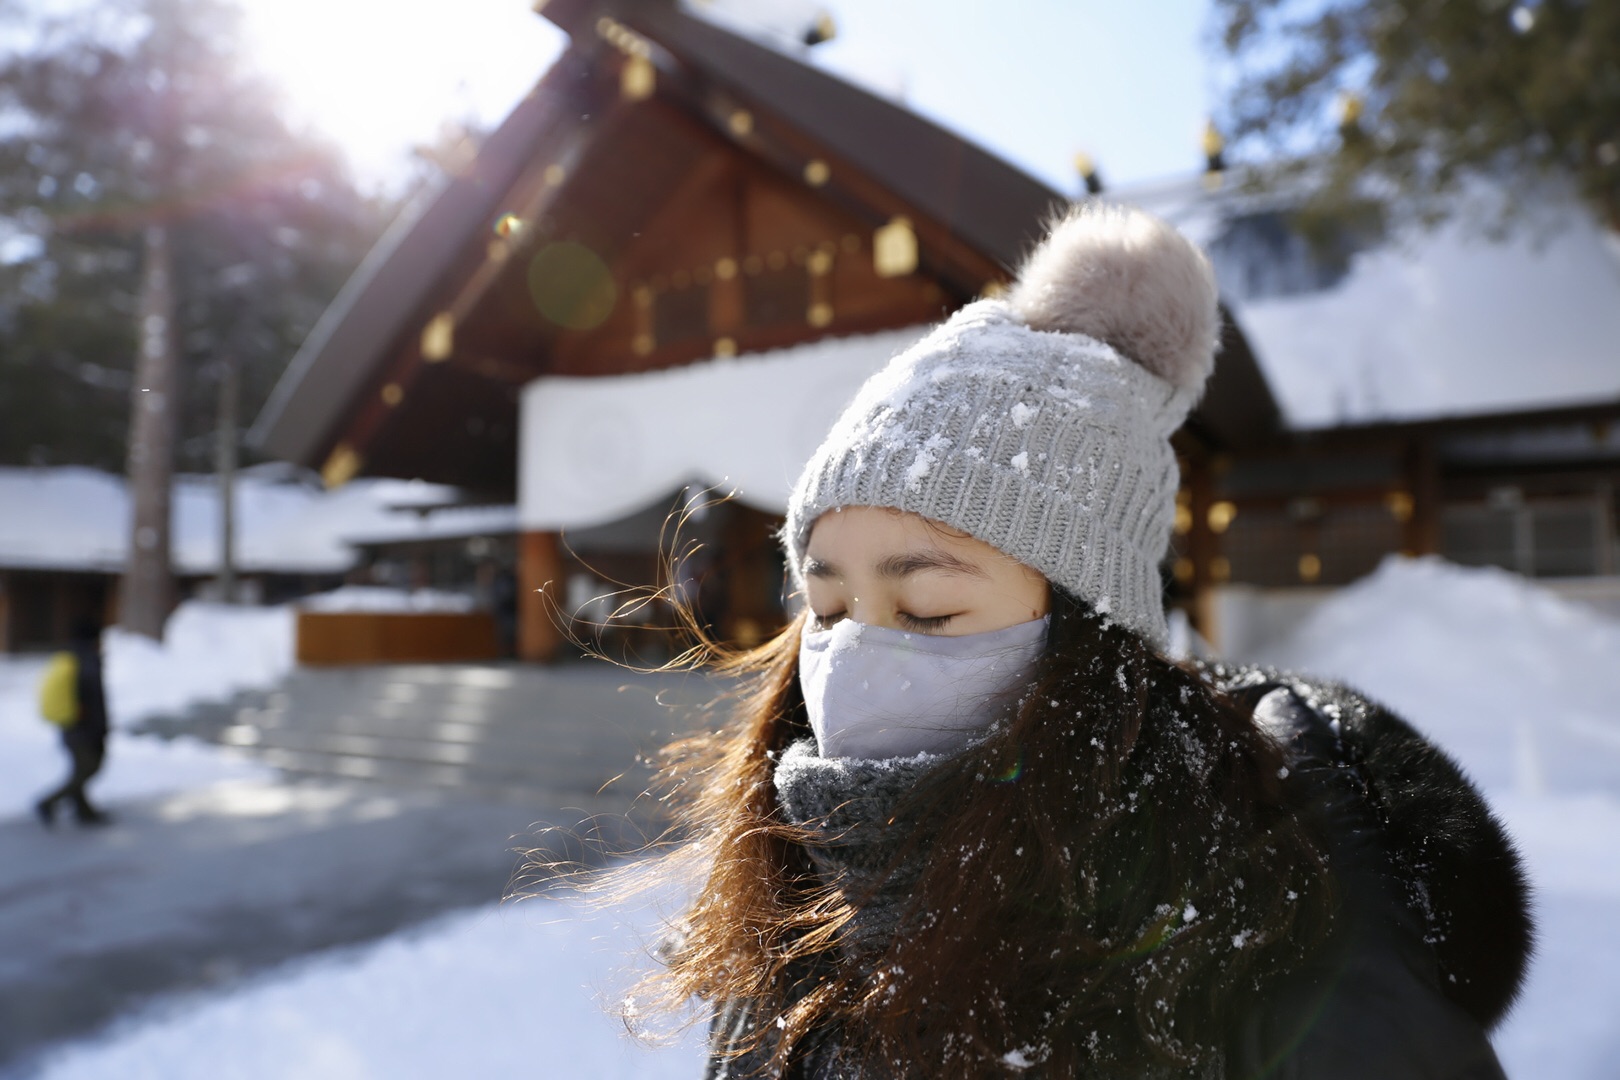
(1041, 423)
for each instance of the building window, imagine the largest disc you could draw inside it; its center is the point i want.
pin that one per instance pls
(681, 314)
(1552, 538)
(777, 298)
(1273, 546)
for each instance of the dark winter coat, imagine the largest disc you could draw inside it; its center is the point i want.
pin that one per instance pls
(91, 726)
(1432, 930)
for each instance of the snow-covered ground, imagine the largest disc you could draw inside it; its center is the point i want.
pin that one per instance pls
(509, 991)
(1521, 686)
(208, 653)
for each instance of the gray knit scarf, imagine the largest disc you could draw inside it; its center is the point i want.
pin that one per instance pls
(852, 803)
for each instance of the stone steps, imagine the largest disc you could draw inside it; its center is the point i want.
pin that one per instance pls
(580, 734)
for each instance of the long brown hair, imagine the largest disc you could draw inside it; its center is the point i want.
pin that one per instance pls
(1104, 883)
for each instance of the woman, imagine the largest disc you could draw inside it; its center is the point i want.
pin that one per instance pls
(972, 822)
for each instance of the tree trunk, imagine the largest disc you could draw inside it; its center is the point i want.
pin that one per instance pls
(148, 585)
(225, 466)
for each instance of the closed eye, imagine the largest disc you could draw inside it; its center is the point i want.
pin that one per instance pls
(924, 624)
(823, 622)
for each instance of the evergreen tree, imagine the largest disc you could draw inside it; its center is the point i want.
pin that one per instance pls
(170, 239)
(1411, 98)
(113, 128)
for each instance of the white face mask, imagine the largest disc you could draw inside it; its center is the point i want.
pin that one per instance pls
(872, 692)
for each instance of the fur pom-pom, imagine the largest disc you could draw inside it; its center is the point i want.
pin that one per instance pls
(1126, 278)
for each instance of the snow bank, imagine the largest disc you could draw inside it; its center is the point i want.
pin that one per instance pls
(380, 598)
(209, 652)
(513, 991)
(1522, 685)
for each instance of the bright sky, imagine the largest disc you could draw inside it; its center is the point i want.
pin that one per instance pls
(1034, 80)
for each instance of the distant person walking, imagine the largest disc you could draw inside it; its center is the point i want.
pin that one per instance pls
(72, 696)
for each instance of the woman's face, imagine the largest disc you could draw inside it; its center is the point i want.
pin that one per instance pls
(900, 570)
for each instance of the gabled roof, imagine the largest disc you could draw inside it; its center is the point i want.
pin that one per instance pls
(383, 299)
(973, 215)
(989, 204)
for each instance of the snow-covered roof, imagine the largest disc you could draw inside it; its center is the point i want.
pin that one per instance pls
(71, 518)
(1420, 324)
(596, 450)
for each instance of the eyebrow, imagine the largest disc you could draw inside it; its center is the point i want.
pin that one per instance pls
(903, 564)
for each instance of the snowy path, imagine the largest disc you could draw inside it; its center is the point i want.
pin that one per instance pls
(517, 990)
(198, 889)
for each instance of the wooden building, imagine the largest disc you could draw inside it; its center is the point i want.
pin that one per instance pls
(669, 194)
(1447, 390)
(678, 257)
(64, 542)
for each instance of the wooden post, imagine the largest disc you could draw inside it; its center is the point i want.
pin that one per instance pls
(1422, 532)
(225, 440)
(148, 584)
(539, 568)
(1203, 546)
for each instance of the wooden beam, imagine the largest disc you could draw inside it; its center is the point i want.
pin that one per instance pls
(1422, 528)
(540, 583)
(1345, 438)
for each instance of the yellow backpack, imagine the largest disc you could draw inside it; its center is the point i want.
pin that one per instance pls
(59, 690)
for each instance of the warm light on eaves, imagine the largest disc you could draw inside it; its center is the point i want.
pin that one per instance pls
(894, 249)
(342, 465)
(1400, 505)
(439, 337)
(638, 79)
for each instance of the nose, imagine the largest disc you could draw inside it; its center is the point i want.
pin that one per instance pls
(871, 613)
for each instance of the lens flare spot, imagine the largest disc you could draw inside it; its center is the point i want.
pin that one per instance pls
(571, 285)
(508, 225)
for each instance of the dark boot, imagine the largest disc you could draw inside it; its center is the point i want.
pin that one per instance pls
(88, 816)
